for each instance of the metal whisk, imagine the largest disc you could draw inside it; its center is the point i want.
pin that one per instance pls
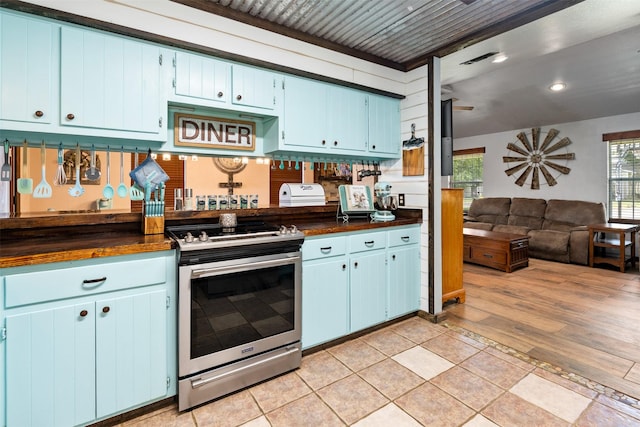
(61, 177)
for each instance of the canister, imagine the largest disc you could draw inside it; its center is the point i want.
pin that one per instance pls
(212, 200)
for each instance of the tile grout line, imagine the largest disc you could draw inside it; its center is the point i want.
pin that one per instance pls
(556, 370)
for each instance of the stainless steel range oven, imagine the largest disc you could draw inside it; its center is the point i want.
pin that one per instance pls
(239, 318)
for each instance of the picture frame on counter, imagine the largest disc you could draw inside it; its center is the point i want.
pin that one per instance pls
(355, 199)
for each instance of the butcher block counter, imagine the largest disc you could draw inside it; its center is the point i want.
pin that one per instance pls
(47, 238)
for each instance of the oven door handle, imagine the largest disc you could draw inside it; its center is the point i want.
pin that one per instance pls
(203, 272)
(195, 383)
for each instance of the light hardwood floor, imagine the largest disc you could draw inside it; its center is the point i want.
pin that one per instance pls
(581, 319)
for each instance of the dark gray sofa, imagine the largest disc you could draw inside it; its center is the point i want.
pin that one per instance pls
(557, 228)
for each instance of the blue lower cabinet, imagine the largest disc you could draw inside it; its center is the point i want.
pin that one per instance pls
(352, 281)
(404, 280)
(325, 296)
(368, 289)
(109, 349)
(50, 367)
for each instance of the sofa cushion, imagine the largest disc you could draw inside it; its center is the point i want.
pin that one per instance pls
(562, 213)
(478, 225)
(494, 210)
(549, 242)
(515, 229)
(527, 212)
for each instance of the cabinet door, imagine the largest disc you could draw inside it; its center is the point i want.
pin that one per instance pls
(346, 119)
(404, 280)
(131, 350)
(305, 114)
(201, 77)
(384, 125)
(325, 287)
(109, 82)
(368, 289)
(253, 87)
(26, 69)
(50, 371)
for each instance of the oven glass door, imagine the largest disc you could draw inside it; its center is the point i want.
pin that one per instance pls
(239, 308)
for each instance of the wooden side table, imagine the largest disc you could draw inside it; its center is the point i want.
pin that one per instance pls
(612, 236)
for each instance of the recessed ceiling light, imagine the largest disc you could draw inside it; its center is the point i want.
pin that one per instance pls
(500, 58)
(557, 87)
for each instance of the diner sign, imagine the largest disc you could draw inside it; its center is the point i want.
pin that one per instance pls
(213, 132)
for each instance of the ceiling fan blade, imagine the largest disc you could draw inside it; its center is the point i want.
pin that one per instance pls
(515, 169)
(463, 107)
(550, 179)
(535, 136)
(562, 143)
(525, 141)
(562, 169)
(522, 178)
(547, 140)
(535, 179)
(565, 156)
(506, 159)
(513, 147)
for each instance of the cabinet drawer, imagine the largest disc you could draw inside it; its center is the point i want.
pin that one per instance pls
(368, 241)
(486, 255)
(324, 248)
(56, 284)
(404, 236)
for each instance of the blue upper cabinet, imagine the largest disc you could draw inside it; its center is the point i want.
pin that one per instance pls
(205, 78)
(384, 125)
(346, 120)
(209, 82)
(27, 69)
(253, 87)
(109, 82)
(333, 122)
(305, 115)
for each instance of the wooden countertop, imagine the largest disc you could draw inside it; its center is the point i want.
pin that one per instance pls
(39, 240)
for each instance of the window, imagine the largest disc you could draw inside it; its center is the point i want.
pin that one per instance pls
(624, 175)
(467, 173)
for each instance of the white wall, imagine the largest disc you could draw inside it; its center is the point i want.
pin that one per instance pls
(414, 109)
(588, 177)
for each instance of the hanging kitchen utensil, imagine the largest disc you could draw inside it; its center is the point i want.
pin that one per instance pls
(107, 191)
(5, 173)
(281, 167)
(93, 173)
(122, 188)
(77, 190)
(136, 193)
(149, 171)
(43, 189)
(61, 177)
(413, 154)
(25, 185)
(297, 165)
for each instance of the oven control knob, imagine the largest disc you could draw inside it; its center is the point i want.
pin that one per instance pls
(188, 238)
(283, 229)
(203, 237)
(293, 229)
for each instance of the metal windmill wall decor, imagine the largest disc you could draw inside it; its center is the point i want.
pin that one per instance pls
(536, 158)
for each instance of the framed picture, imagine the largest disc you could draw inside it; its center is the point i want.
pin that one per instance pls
(355, 199)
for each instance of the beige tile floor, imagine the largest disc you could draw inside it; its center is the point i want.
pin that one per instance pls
(411, 373)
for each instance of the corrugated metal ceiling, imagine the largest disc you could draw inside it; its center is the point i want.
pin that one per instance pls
(398, 33)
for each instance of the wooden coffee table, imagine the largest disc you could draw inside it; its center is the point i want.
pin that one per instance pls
(502, 251)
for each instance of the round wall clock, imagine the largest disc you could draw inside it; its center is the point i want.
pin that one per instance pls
(531, 158)
(229, 164)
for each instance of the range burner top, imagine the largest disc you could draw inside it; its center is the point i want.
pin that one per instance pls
(214, 236)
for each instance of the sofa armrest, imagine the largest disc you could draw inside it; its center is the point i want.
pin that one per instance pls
(579, 245)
